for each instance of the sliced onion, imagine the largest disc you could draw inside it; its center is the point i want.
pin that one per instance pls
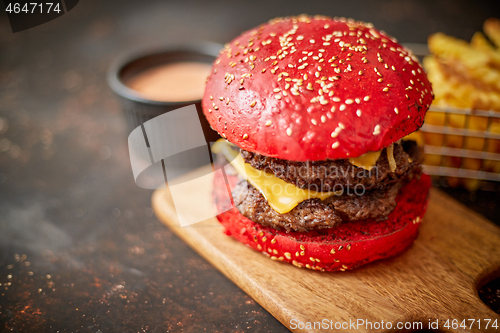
(390, 158)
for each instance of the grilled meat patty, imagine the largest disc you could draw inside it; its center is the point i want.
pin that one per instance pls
(327, 176)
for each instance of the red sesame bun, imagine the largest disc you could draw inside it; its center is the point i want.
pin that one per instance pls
(360, 90)
(347, 246)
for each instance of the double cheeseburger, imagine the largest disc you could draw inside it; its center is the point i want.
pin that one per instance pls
(318, 116)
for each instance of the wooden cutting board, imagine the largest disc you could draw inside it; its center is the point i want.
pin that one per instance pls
(437, 278)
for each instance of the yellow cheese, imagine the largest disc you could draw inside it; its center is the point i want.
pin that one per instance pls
(281, 196)
(366, 161)
(415, 136)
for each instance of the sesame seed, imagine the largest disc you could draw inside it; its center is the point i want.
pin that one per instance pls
(385, 89)
(336, 99)
(269, 123)
(332, 109)
(300, 37)
(302, 247)
(358, 113)
(277, 90)
(396, 110)
(289, 131)
(312, 41)
(335, 145)
(253, 104)
(314, 122)
(376, 130)
(323, 119)
(341, 126)
(211, 98)
(342, 107)
(245, 136)
(349, 101)
(277, 96)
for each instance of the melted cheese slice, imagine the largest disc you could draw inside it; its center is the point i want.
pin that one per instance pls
(281, 196)
(368, 160)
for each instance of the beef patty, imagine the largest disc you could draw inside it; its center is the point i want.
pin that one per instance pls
(317, 214)
(326, 176)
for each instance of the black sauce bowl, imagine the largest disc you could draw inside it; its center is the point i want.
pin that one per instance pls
(138, 109)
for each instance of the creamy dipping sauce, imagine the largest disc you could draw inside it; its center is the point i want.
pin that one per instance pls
(174, 82)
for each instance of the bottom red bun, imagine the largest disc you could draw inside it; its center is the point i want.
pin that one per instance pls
(345, 247)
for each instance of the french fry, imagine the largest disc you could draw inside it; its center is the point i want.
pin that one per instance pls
(465, 60)
(479, 42)
(492, 29)
(465, 76)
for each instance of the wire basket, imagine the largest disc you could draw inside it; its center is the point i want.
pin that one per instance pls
(450, 157)
(453, 150)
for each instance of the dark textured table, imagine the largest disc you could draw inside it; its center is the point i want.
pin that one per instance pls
(80, 249)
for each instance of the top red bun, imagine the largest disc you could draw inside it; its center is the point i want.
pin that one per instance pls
(360, 91)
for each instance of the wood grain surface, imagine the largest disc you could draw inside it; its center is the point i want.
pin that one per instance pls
(436, 279)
